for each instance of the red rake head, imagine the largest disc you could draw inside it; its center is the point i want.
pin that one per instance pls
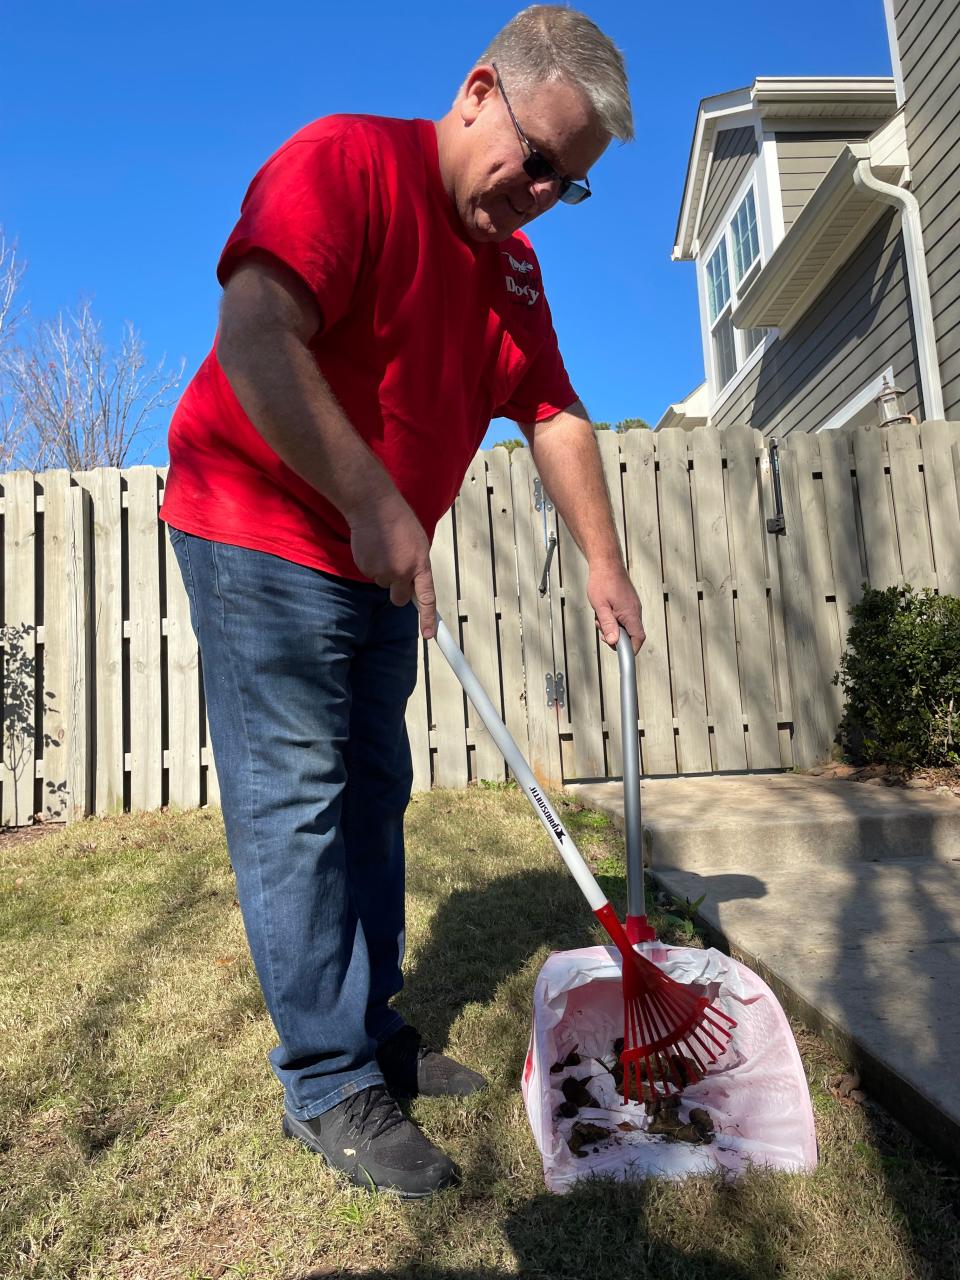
(671, 1034)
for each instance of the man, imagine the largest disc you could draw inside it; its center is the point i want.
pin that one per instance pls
(380, 306)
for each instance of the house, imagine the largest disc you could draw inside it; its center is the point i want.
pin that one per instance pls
(821, 216)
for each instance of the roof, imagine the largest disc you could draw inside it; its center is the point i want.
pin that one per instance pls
(820, 101)
(687, 413)
(833, 221)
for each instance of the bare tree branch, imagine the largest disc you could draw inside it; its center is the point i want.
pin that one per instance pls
(11, 314)
(81, 405)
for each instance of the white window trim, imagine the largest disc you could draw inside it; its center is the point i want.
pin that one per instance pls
(890, 16)
(857, 402)
(768, 179)
(753, 180)
(755, 356)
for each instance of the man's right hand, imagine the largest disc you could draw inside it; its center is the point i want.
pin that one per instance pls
(390, 547)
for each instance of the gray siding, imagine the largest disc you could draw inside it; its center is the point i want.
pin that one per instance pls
(803, 160)
(859, 325)
(928, 36)
(734, 151)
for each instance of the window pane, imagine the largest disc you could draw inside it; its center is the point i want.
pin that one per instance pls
(746, 240)
(751, 339)
(724, 351)
(718, 281)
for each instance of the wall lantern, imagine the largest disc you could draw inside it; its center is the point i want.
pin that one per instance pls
(890, 406)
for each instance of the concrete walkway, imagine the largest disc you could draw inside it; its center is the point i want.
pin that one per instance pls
(845, 897)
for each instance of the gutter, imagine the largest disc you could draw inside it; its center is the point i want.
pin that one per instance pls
(919, 282)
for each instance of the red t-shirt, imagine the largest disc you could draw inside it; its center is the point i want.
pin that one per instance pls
(426, 336)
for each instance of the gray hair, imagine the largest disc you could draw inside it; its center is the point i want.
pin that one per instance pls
(550, 42)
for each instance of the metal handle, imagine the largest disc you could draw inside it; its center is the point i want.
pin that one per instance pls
(632, 822)
(544, 578)
(519, 768)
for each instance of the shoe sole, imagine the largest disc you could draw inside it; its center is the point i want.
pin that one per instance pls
(307, 1140)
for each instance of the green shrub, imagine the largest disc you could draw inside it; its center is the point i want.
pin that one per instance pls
(900, 674)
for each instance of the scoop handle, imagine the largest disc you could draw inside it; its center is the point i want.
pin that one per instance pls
(632, 823)
(526, 781)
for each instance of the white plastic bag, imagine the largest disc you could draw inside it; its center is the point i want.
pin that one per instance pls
(756, 1095)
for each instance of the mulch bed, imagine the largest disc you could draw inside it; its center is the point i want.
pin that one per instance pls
(24, 835)
(944, 779)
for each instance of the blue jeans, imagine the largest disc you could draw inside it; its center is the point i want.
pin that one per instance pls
(306, 678)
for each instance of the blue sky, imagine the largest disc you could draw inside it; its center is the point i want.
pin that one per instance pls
(128, 134)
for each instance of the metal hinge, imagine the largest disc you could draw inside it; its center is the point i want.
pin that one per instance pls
(540, 499)
(556, 689)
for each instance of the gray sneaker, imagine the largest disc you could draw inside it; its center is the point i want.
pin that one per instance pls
(368, 1138)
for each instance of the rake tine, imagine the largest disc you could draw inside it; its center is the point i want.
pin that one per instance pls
(705, 1047)
(692, 1050)
(721, 1044)
(711, 1010)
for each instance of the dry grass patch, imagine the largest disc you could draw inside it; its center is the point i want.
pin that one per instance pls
(139, 1122)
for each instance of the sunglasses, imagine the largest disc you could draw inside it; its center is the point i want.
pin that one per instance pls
(536, 165)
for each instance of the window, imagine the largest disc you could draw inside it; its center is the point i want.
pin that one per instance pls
(739, 244)
(746, 242)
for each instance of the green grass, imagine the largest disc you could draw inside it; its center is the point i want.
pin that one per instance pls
(139, 1121)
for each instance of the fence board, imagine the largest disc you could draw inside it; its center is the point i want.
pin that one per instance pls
(807, 665)
(658, 740)
(936, 441)
(583, 673)
(446, 695)
(507, 597)
(683, 610)
(609, 444)
(146, 760)
(876, 515)
(67, 665)
(475, 557)
(722, 677)
(772, 556)
(104, 488)
(20, 648)
(849, 573)
(821, 585)
(539, 658)
(910, 505)
(183, 689)
(754, 644)
(55, 709)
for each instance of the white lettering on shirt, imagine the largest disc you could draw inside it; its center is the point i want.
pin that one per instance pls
(522, 290)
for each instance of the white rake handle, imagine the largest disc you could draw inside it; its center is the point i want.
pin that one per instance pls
(501, 735)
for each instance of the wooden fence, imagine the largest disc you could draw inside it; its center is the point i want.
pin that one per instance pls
(103, 701)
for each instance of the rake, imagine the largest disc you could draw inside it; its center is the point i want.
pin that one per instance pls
(665, 1021)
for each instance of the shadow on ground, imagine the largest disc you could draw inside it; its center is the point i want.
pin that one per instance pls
(481, 939)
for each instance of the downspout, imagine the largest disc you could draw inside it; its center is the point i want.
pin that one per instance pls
(919, 283)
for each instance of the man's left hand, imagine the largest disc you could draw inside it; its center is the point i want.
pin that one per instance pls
(616, 604)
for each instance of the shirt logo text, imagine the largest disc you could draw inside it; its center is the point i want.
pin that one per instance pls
(522, 290)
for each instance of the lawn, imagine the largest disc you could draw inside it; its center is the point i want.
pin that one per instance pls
(139, 1121)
